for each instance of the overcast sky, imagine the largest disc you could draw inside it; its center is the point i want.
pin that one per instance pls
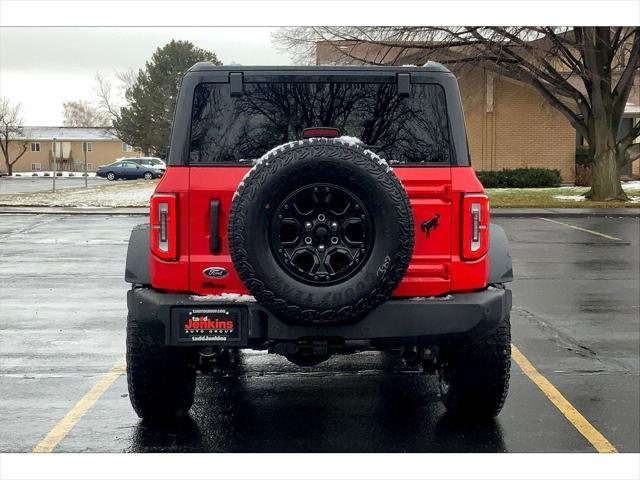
(43, 67)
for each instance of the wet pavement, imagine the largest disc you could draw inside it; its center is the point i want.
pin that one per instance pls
(62, 321)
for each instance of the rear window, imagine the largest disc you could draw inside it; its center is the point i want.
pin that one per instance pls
(409, 130)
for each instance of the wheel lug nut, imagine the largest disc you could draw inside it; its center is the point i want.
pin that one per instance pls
(362, 217)
(321, 217)
(321, 248)
(334, 225)
(308, 225)
(307, 240)
(334, 240)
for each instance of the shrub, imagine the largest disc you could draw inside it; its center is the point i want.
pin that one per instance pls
(34, 174)
(71, 174)
(520, 178)
(47, 174)
(58, 174)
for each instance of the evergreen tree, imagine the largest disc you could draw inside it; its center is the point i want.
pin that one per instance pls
(146, 120)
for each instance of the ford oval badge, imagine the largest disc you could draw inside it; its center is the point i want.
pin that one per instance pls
(215, 272)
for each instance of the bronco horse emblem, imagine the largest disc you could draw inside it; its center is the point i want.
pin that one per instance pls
(427, 225)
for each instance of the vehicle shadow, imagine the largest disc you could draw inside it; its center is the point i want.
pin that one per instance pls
(379, 410)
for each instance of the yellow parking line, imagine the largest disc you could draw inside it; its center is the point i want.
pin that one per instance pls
(595, 438)
(64, 426)
(592, 232)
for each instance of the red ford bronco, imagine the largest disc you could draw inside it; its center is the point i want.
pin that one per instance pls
(312, 211)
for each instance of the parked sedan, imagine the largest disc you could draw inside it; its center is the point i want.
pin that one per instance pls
(127, 170)
(153, 162)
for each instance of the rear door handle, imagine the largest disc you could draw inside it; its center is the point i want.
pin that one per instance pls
(214, 219)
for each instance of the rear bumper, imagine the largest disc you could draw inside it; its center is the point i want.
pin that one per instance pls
(460, 318)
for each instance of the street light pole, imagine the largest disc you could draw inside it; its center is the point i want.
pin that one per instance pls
(84, 148)
(54, 165)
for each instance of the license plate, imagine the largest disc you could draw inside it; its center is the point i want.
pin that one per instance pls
(220, 325)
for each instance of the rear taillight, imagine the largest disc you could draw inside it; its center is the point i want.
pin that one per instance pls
(475, 226)
(164, 226)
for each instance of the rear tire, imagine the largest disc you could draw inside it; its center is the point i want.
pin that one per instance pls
(111, 176)
(474, 379)
(148, 176)
(161, 379)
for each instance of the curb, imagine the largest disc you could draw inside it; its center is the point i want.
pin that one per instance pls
(495, 212)
(73, 211)
(564, 212)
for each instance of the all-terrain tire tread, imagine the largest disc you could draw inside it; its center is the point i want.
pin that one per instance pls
(238, 235)
(479, 375)
(160, 380)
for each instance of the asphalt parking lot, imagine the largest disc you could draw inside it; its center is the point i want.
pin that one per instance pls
(12, 185)
(576, 326)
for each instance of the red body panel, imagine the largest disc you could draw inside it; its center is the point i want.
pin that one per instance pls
(174, 275)
(436, 267)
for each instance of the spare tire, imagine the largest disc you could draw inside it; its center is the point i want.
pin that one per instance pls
(321, 231)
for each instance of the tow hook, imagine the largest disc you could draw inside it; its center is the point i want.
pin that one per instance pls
(425, 357)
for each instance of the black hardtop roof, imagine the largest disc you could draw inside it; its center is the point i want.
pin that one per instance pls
(430, 67)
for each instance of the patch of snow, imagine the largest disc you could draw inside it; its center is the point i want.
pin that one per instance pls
(634, 185)
(347, 140)
(446, 298)
(224, 297)
(120, 194)
(575, 198)
(49, 173)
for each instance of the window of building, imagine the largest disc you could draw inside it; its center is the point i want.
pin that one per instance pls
(36, 167)
(87, 147)
(126, 147)
(89, 166)
(35, 147)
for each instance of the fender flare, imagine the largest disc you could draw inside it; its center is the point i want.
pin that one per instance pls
(500, 266)
(137, 266)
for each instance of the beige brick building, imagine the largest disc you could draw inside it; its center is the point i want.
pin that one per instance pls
(509, 124)
(103, 147)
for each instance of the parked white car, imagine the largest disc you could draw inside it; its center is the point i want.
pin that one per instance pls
(151, 162)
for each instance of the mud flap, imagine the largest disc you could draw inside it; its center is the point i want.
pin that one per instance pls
(500, 267)
(137, 267)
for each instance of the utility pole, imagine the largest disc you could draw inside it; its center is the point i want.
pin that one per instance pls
(54, 165)
(86, 178)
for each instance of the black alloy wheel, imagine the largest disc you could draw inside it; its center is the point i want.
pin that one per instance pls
(321, 234)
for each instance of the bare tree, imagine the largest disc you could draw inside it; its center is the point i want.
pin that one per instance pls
(80, 113)
(586, 73)
(109, 105)
(11, 130)
(106, 102)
